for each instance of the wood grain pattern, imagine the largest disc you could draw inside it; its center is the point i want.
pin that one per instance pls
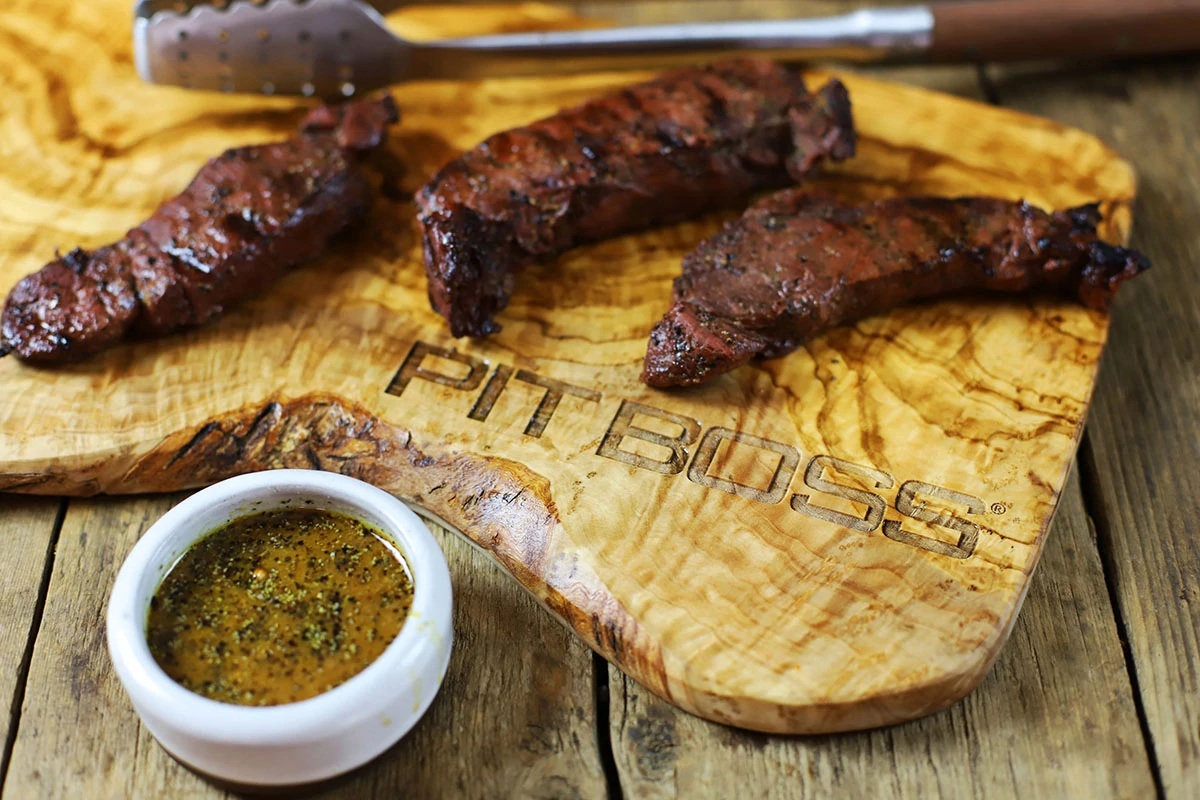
(79, 737)
(1142, 445)
(514, 717)
(1055, 717)
(27, 528)
(741, 611)
(71, 693)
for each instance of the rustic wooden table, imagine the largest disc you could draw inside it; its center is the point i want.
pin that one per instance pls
(1097, 693)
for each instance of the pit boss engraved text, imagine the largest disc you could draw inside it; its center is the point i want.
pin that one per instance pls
(675, 450)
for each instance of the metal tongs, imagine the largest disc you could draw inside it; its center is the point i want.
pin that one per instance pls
(330, 48)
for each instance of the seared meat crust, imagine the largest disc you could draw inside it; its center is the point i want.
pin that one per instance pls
(796, 265)
(248, 216)
(687, 142)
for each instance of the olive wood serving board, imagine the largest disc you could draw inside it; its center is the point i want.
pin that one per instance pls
(833, 540)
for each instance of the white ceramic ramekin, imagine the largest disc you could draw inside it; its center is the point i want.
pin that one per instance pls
(313, 739)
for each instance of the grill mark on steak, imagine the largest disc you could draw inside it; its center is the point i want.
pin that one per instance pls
(249, 215)
(688, 142)
(797, 264)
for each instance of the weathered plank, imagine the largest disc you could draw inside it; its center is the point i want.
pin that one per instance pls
(79, 736)
(1054, 718)
(705, 594)
(515, 715)
(1143, 450)
(1060, 726)
(27, 528)
(951, 742)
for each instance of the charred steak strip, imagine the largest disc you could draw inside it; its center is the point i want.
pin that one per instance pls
(796, 265)
(687, 142)
(248, 216)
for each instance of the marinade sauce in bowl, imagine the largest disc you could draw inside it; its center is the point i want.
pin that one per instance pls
(279, 606)
(280, 628)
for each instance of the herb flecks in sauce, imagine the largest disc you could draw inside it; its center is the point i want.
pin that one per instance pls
(278, 607)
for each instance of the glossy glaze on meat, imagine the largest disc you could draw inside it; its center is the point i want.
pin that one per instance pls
(688, 142)
(247, 217)
(796, 265)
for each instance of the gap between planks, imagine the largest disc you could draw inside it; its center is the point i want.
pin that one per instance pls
(515, 716)
(35, 621)
(603, 715)
(1093, 514)
(945, 78)
(600, 670)
(1102, 532)
(1053, 718)
(627, 754)
(1143, 455)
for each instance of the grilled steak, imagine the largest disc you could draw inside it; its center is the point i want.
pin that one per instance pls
(687, 142)
(795, 265)
(248, 216)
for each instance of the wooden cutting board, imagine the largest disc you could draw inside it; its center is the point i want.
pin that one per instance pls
(833, 540)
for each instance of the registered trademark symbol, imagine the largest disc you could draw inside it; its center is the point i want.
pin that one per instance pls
(999, 508)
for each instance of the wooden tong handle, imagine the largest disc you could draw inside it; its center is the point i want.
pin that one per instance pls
(1012, 30)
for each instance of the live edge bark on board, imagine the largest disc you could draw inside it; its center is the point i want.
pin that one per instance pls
(1072, 707)
(711, 543)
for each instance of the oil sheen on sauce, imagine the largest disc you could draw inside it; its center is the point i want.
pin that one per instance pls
(278, 607)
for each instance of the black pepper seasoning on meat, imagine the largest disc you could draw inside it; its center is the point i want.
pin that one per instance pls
(797, 264)
(687, 142)
(248, 216)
